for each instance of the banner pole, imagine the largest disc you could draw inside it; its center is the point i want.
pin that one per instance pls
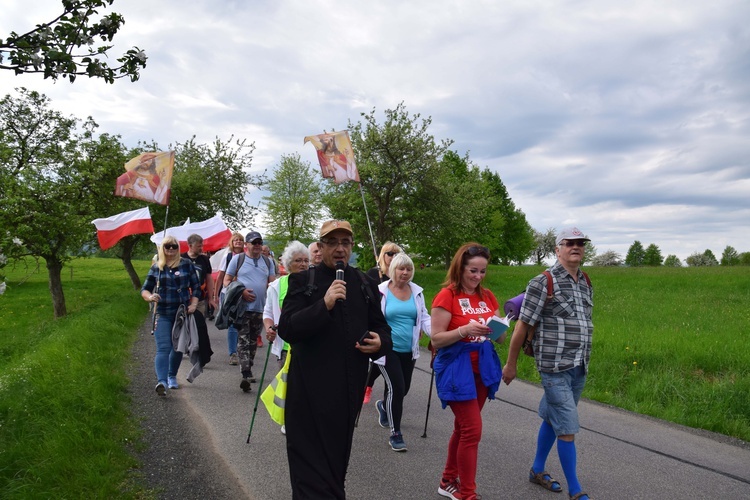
(369, 225)
(153, 310)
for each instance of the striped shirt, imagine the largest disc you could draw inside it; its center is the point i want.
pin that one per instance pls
(563, 323)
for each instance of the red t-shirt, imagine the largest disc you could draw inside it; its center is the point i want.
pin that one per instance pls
(464, 308)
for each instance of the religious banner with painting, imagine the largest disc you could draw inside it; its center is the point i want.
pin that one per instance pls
(335, 156)
(147, 177)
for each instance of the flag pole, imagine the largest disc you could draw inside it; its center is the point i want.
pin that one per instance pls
(369, 225)
(158, 276)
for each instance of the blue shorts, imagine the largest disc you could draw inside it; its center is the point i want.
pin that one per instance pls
(559, 405)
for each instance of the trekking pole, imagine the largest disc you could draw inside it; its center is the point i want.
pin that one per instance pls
(433, 353)
(429, 400)
(257, 398)
(369, 371)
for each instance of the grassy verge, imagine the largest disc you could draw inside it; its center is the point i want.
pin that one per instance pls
(65, 426)
(670, 343)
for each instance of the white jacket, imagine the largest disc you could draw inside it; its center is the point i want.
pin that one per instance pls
(272, 311)
(423, 323)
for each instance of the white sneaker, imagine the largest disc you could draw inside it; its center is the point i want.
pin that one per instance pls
(283, 429)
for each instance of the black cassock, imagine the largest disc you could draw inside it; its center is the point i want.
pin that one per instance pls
(327, 376)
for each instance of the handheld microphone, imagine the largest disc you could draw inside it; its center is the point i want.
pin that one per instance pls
(340, 274)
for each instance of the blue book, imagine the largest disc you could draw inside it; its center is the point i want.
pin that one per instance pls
(498, 327)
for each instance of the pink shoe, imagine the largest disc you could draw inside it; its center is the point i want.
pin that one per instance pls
(368, 394)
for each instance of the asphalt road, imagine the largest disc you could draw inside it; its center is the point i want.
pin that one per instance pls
(199, 444)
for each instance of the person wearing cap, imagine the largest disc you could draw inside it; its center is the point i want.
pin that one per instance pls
(562, 349)
(254, 272)
(334, 326)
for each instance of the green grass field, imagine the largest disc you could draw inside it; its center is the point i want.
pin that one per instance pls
(670, 343)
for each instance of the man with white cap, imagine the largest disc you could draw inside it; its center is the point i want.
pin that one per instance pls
(562, 349)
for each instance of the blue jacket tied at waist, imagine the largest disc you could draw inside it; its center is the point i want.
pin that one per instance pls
(455, 377)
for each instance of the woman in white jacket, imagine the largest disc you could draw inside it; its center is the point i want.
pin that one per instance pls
(403, 306)
(295, 258)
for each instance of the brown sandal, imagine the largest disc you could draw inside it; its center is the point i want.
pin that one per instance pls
(546, 481)
(578, 495)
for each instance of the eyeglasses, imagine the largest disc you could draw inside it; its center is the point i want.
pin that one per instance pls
(300, 261)
(477, 250)
(391, 254)
(573, 243)
(255, 243)
(334, 243)
(171, 246)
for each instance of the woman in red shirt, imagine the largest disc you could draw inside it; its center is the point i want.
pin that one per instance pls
(459, 315)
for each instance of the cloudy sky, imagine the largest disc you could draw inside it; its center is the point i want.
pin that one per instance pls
(630, 120)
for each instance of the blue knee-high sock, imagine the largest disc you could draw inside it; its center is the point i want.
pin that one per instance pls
(567, 453)
(544, 442)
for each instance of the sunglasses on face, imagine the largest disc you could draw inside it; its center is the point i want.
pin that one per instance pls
(573, 243)
(171, 246)
(391, 254)
(477, 250)
(255, 243)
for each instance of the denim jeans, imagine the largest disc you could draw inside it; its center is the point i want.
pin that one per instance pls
(167, 360)
(232, 335)
(559, 404)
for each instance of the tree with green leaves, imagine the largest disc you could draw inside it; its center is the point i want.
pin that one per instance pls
(730, 257)
(709, 255)
(545, 245)
(399, 168)
(508, 234)
(652, 256)
(75, 43)
(636, 254)
(744, 259)
(294, 208)
(672, 261)
(41, 180)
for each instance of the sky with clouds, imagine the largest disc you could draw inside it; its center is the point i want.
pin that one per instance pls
(630, 120)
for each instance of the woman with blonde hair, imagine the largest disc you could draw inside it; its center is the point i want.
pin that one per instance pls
(403, 305)
(467, 368)
(379, 274)
(171, 282)
(236, 245)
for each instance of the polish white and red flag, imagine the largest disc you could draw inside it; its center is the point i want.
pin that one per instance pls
(113, 229)
(214, 232)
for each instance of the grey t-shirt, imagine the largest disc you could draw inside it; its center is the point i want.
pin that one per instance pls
(254, 274)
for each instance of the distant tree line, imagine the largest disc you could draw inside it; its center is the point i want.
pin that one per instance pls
(637, 256)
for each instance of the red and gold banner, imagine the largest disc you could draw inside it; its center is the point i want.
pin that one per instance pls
(147, 177)
(335, 156)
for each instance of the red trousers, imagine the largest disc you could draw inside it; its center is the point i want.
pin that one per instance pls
(464, 442)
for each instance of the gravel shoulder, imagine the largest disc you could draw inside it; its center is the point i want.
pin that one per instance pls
(180, 459)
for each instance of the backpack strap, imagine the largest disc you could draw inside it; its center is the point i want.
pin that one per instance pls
(240, 261)
(365, 286)
(311, 287)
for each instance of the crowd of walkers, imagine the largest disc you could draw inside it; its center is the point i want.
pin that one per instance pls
(329, 321)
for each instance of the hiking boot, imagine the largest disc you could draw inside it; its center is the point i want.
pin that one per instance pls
(450, 489)
(245, 385)
(368, 395)
(233, 359)
(161, 389)
(172, 383)
(382, 415)
(397, 442)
